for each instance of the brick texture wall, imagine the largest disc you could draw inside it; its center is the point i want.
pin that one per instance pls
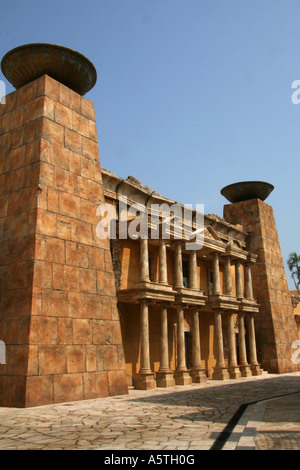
(58, 309)
(275, 325)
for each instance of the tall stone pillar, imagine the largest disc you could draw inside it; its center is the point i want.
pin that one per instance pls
(144, 260)
(164, 376)
(216, 274)
(254, 366)
(145, 378)
(233, 369)
(58, 308)
(275, 325)
(163, 273)
(238, 280)
(197, 372)
(181, 374)
(248, 282)
(220, 370)
(178, 283)
(193, 270)
(227, 275)
(244, 366)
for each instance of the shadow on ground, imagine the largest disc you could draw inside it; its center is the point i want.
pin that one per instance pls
(223, 401)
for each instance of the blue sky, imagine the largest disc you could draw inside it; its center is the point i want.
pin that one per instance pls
(191, 95)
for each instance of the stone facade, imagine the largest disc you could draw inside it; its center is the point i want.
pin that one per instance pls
(58, 310)
(276, 329)
(82, 316)
(228, 315)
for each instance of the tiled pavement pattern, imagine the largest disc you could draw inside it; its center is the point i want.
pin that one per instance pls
(182, 418)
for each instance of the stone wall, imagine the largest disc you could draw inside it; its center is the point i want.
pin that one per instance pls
(58, 308)
(275, 325)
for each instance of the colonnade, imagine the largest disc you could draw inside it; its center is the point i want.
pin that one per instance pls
(164, 377)
(235, 369)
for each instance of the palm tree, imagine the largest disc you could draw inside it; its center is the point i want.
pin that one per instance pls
(294, 266)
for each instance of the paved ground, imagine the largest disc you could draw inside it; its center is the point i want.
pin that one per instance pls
(196, 417)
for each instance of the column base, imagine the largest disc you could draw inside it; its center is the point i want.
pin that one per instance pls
(234, 372)
(182, 377)
(198, 376)
(165, 379)
(220, 373)
(245, 371)
(144, 381)
(255, 369)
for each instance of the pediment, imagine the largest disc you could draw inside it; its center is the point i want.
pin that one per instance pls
(209, 232)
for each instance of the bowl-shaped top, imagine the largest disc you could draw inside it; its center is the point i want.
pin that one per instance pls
(246, 190)
(30, 61)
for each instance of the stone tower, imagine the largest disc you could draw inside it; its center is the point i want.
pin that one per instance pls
(58, 310)
(275, 325)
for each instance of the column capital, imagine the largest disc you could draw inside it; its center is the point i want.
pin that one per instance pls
(251, 259)
(177, 241)
(226, 256)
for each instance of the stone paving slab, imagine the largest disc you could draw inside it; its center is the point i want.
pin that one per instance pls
(272, 425)
(181, 418)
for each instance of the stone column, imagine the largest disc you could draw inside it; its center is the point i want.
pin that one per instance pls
(220, 371)
(164, 376)
(233, 369)
(227, 275)
(248, 282)
(145, 378)
(193, 270)
(144, 261)
(238, 280)
(244, 366)
(197, 373)
(254, 366)
(216, 274)
(178, 282)
(181, 375)
(163, 273)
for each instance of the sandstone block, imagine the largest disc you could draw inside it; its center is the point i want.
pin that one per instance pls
(65, 330)
(52, 359)
(87, 281)
(87, 109)
(50, 131)
(49, 87)
(43, 330)
(82, 331)
(68, 387)
(77, 254)
(39, 390)
(75, 359)
(95, 385)
(62, 113)
(117, 382)
(26, 94)
(73, 141)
